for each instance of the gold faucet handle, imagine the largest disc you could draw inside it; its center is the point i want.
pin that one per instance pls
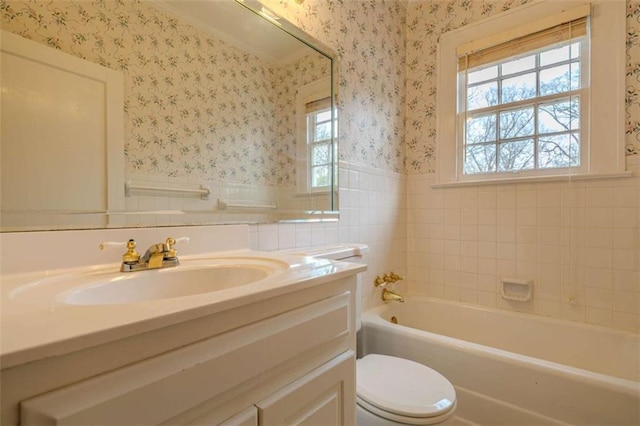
(171, 242)
(393, 277)
(130, 256)
(380, 281)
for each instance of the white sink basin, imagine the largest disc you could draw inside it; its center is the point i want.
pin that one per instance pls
(106, 286)
(163, 284)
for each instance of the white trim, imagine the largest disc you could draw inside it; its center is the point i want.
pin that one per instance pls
(535, 179)
(607, 75)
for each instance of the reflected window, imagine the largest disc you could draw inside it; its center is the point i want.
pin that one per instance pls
(317, 154)
(320, 149)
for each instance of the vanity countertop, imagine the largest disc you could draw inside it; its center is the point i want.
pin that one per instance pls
(36, 322)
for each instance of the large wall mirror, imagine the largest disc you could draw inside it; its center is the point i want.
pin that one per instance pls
(133, 113)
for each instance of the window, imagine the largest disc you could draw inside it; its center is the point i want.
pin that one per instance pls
(319, 144)
(520, 102)
(316, 136)
(516, 94)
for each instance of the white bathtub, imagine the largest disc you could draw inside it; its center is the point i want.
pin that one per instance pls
(511, 368)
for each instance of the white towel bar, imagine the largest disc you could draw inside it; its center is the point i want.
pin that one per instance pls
(223, 205)
(203, 191)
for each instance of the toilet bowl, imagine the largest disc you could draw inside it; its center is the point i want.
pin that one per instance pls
(392, 390)
(397, 391)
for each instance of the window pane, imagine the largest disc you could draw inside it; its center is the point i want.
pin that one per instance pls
(519, 88)
(560, 79)
(560, 54)
(480, 159)
(323, 132)
(482, 75)
(517, 155)
(575, 50)
(323, 116)
(320, 155)
(559, 116)
(559, 151)
(516, 123)
(481, 129)
(320, 176)
(519, 65)
(482, 96)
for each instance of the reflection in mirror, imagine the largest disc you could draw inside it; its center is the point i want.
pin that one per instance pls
(150, 113)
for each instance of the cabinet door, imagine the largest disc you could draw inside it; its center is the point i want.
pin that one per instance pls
(326, 396)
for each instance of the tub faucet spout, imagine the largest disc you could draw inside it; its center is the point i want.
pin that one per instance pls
(388, 295)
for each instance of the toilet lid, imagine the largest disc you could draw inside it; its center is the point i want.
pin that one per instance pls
(403, 387)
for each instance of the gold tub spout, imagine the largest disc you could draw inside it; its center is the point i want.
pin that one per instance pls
(388, 295)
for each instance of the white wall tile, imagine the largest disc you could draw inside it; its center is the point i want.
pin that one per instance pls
(579, 243)
(626, 321)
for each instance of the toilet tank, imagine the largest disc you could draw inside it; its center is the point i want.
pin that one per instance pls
(355, 253)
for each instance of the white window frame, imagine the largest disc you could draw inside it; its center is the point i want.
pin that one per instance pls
(311, 143)
(319, 89)
(582, 92)
(604, 154)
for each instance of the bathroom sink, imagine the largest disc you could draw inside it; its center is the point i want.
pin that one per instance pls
(163, 284)
(106, 286)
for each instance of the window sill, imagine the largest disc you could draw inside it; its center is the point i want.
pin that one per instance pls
(311, 194)
(533, 179)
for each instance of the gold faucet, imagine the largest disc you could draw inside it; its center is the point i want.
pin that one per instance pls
(391, 296)
(161, 255)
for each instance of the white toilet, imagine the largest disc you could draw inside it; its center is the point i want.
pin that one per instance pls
(397, 391)
(392, 390)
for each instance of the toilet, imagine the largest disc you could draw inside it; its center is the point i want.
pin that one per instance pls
(397, 391)
(392, 390)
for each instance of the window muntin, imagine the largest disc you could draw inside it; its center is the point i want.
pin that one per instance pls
(523, 113)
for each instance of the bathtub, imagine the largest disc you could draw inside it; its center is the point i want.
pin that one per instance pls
(514, 369)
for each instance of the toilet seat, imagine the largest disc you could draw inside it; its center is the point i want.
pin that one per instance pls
(403, 391)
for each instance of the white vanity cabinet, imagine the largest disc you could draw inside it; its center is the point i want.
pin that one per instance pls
(283, 360)
(322, 397)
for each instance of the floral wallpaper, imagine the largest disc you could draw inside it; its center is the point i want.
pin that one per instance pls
(369, 38)
(158, 54)
(195, 106)
(632, 100)
(386, 120)
(427, 20)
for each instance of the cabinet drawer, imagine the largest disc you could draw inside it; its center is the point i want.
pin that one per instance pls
(155, 390)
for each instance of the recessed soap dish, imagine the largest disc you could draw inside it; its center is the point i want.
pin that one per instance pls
(517, 289)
